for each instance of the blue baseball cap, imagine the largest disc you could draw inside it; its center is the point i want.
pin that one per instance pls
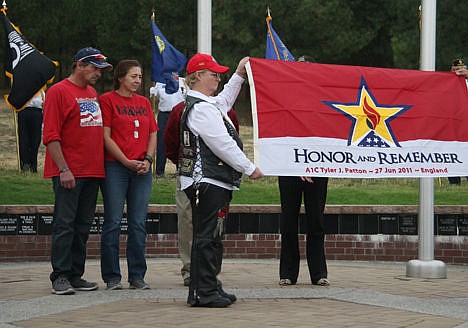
(93, 56)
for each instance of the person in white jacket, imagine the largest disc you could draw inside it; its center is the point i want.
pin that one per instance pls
(210, 168)
(165, 102)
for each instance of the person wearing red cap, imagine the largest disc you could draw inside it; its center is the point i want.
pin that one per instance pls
(183, 207)
(210, 168)
(74, 138)
(293, 190)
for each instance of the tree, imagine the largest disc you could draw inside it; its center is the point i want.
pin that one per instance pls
(381, 33)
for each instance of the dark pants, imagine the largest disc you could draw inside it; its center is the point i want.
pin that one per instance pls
(73, 214)
(161, 146)
(207, 246)
(29, 137)
(292, 190)
(455, 180)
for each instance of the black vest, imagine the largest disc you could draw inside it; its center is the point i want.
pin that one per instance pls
(212, 166)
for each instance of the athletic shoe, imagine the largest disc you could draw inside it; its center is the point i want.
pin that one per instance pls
(83, 285)
(61, 286)
(139, 284)
(114, 285)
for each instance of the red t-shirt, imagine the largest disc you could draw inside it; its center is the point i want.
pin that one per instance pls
(131, 120)
(73, 117)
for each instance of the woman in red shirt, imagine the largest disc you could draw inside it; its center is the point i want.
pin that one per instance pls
(130, 143)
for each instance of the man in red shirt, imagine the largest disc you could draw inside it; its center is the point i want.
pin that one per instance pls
(73, 135)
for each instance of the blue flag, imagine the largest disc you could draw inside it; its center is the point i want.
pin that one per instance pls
(275, 48)
(165, 60)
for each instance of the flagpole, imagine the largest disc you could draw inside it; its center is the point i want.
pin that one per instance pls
(153, 83)
(268, 20)
(204, 26)
(153, 98)
(426, 266)
(15, 120)
(18, 160)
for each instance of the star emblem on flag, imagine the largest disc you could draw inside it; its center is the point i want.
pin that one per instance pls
(370, 119)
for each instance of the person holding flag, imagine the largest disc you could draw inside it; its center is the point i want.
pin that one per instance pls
(210, 168)
(183, 207)
(459, 67)
(169, 89)
(165, 103)
(30, 132)
(292, 190)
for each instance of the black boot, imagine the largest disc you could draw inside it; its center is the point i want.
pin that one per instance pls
(221, 292)
(220, 302)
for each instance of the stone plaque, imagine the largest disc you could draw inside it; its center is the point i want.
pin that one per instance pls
(152, 224)
(408, 224)
(44, 225)
(124, 225)
(447, 224)
(8, 224)
(101, 222)
(95, 225)
(388, 224)
(27, 225)
(463, 225)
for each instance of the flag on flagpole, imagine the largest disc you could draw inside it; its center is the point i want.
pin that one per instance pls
(275, 48)
(28, 69)
(165, 60)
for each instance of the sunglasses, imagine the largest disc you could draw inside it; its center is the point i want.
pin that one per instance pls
(213, 74)
(97, 57)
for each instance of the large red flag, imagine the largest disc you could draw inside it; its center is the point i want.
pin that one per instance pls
(349, 121)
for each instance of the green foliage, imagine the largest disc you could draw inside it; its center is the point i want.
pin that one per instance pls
(382, 33)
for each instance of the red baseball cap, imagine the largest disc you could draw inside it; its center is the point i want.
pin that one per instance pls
(201, 62)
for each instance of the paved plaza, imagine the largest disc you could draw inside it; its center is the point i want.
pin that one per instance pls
(362, 294)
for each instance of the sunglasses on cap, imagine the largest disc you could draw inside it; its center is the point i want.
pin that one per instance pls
(97, 57)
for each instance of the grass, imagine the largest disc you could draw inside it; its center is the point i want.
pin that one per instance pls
(28, 188)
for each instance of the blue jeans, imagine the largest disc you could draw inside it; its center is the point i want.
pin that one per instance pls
(73, 215)
(119, 185)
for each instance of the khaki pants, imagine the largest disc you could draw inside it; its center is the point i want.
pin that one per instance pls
(185, 229)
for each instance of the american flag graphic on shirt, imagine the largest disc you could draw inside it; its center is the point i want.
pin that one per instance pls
(90, 112)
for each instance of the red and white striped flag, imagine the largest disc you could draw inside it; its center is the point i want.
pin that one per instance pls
(357, 122)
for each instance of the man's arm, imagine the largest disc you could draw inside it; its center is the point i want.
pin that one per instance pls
(67, 179)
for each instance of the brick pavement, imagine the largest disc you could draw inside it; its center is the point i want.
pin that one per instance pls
(362, 294)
